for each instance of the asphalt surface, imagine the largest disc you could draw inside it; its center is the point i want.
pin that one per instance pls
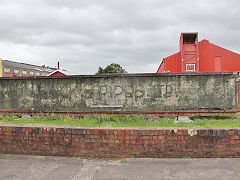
(46, 167)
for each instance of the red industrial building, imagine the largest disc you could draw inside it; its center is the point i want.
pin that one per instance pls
(200, 56)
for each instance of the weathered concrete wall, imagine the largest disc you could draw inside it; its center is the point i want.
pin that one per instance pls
(125, 92)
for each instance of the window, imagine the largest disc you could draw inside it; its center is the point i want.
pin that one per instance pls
(16, 71)
(24, 72)
(189, 38)
(37, 74)
(31, 73)
(7, 70)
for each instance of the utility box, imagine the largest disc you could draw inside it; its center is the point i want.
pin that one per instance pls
(189, 52)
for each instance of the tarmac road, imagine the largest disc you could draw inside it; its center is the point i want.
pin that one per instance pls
(46, 167)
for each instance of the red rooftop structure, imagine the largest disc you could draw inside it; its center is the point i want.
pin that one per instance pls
(200, 56)
(57, 72)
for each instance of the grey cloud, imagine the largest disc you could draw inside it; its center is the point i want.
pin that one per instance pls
(136, 34)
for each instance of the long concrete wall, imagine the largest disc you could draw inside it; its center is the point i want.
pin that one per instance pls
(130, 92)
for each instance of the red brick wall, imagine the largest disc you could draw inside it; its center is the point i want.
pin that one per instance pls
(120, 142)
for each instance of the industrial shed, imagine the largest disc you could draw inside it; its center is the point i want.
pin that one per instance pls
(200, 56)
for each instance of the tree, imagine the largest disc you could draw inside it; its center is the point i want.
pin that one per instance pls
(112, 68)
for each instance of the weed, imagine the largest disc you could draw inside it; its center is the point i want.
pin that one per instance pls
(3, 155)
(237, 116)
(124, 161)
(186, 157)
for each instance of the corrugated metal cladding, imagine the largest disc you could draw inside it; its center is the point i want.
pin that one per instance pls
(200, 56)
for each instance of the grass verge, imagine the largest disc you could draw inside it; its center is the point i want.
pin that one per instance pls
(122, 121)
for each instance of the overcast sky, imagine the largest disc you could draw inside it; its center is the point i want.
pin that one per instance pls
(86, 34)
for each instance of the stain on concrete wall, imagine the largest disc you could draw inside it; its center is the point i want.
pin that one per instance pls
(128, 92)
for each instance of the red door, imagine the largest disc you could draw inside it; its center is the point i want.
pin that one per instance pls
(218, 63)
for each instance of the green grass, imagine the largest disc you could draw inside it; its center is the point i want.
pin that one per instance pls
(122, 121)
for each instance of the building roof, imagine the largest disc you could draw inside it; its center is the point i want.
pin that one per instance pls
(27, 66)
(63, 72)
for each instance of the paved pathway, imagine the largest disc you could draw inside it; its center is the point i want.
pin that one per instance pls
(40, 167)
